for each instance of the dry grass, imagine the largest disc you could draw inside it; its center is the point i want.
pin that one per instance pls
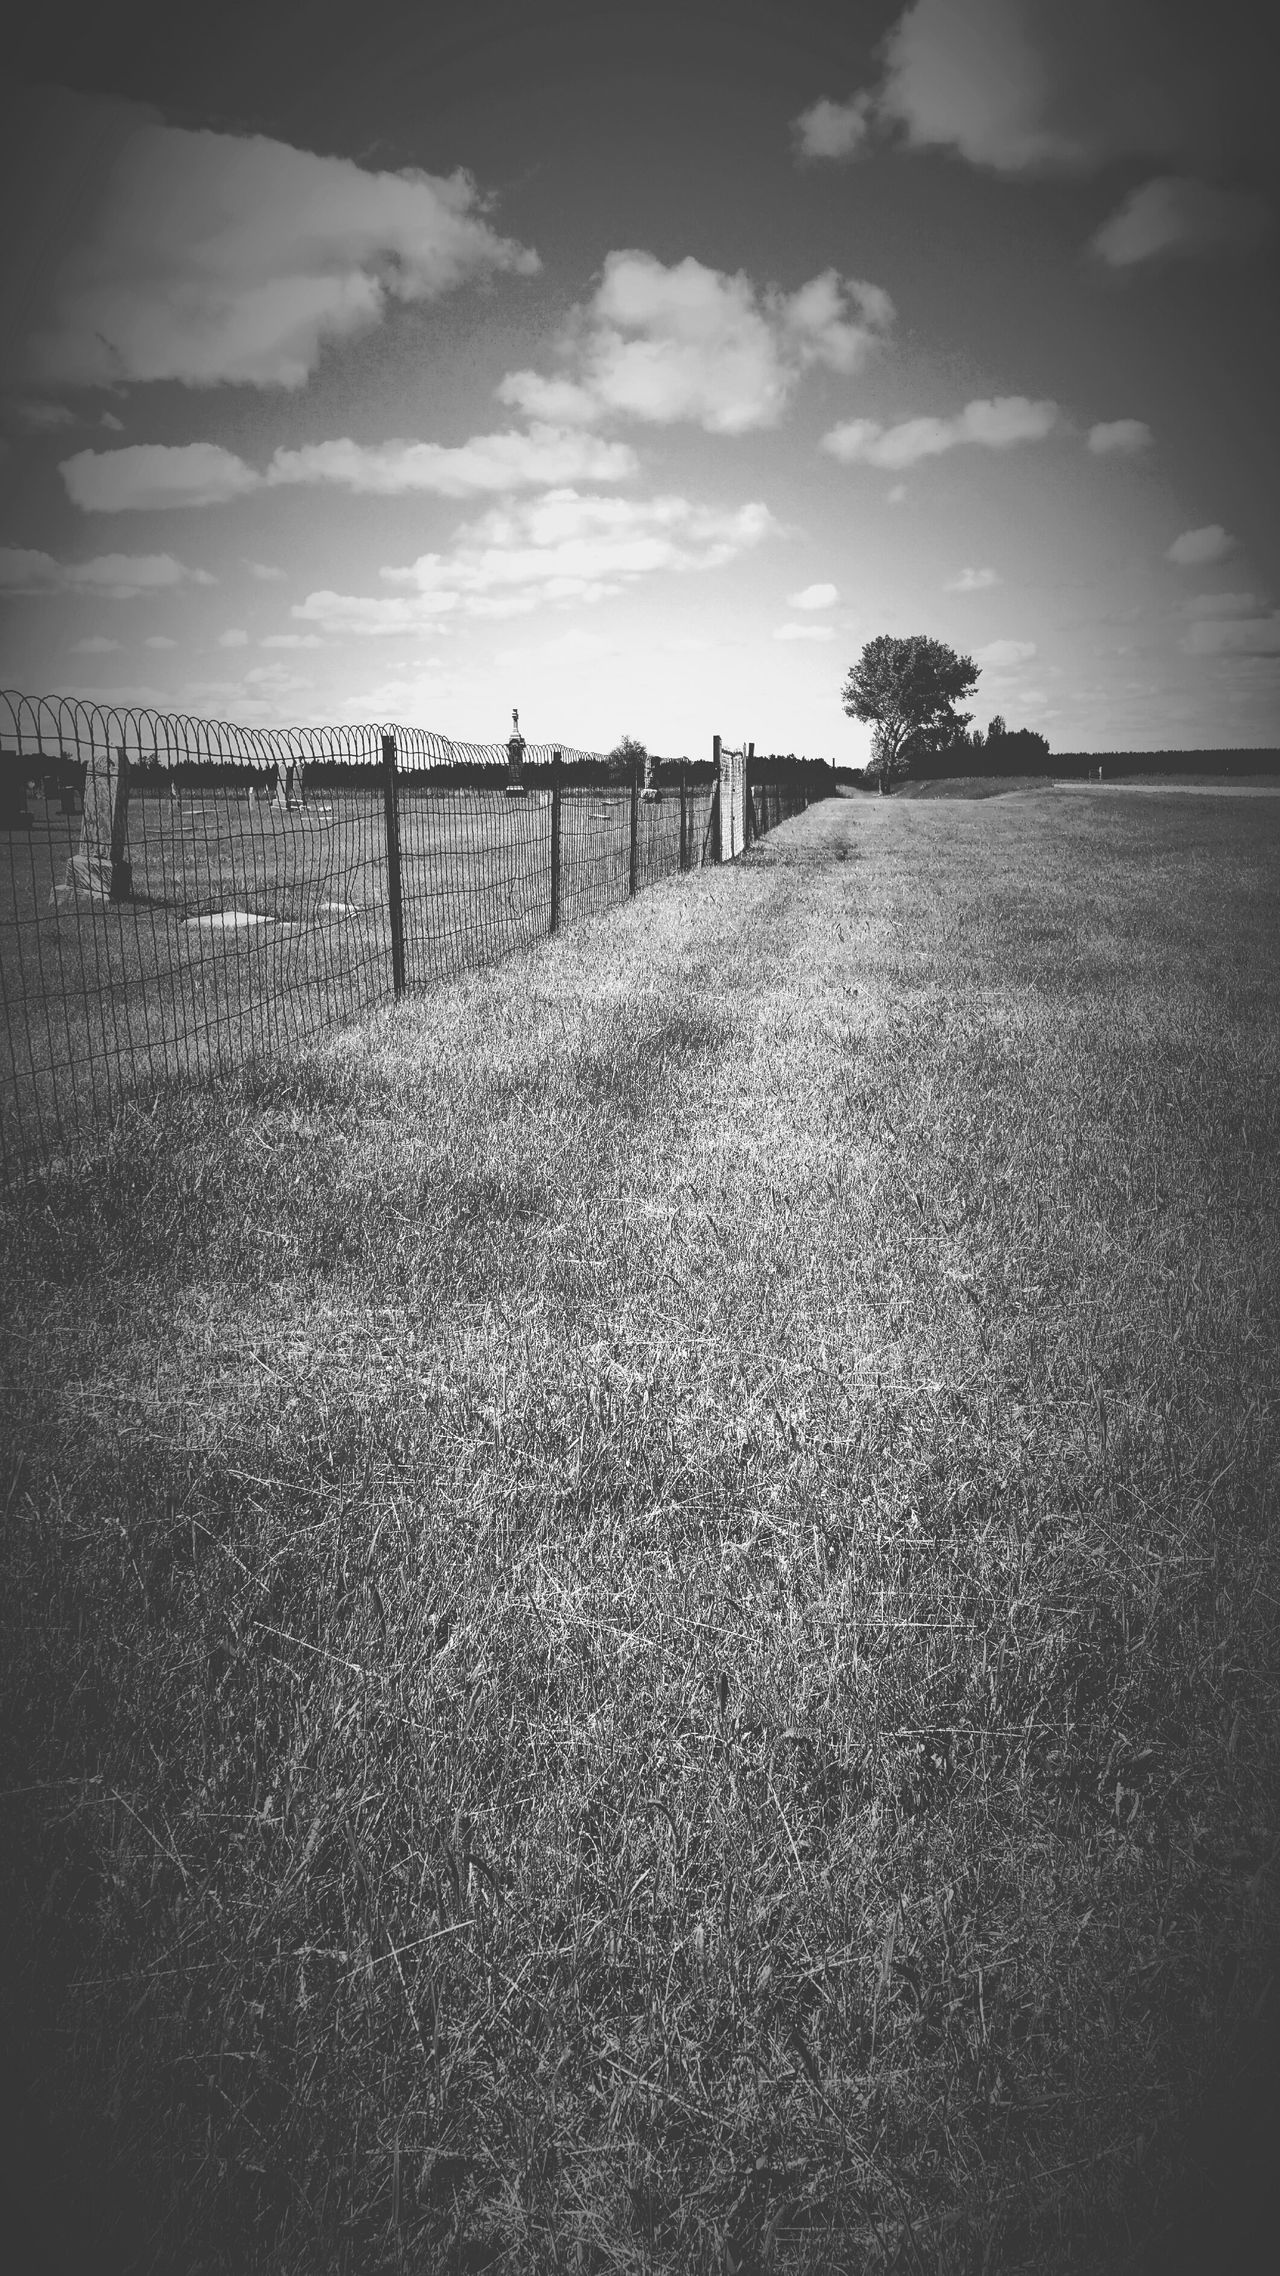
(641, 1600)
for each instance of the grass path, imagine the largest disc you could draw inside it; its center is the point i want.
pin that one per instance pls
(640, 1600)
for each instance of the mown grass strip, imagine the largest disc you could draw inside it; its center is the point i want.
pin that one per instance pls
(777, 1391)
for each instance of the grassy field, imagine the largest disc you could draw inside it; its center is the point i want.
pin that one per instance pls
(249, 929)
(640, 1600)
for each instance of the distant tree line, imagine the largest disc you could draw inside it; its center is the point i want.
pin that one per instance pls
(907, 689)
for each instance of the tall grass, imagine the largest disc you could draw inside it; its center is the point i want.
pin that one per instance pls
(640, 1600)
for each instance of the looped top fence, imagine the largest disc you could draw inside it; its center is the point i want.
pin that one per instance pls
(54, 726)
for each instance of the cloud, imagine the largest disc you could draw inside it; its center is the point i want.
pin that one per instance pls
(159, 640)
(972, 581)
(233, 637)
(117, 576)
(814, 597)
(692, 343)
(291, 640)
(96, 645)
(1120, 437)
(834, 130)
(1031, 87)
(1231, 624)
(997, 424)
(127, 697)
(1178, 216)
(804, 632)
(1235, 636)
(265, 572)
(40, 418)
(1197, 547)
(1224, 604)
(546, 456)
(209, 257)
(145, 476)
(1002, 655)
(562, 548)
(109, 420)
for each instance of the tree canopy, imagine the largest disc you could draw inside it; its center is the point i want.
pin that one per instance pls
(908, 689)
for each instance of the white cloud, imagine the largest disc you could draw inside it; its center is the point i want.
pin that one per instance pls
(691, 343)
(972, 581)
(560, 402)
(96, 645)
(159, 640)
(804, 632)
(1235, 636)
(1120, 437)
(556, 549)
(233, 637)
(1003, 655)
(896, 495)
(1029, 86)
(291, 640)
(214, 257)
(969, 75)
(814, 597)
(118, 576)
(150, 475)
(111, 423)
(546, 456)
(1179, 216)
(1197, 547)
(265, 572)
(834, 130)
(997, 424)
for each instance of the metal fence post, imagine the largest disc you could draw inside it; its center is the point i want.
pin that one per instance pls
(635, 828)
(121, 868)
(555, 840)
(394, 901)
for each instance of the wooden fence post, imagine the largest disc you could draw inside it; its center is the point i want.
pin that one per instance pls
(395, 903)
(555, 841)
(635, 827)
(684, 816)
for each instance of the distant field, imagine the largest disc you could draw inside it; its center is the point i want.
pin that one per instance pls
(250, 928)
(639, 1600)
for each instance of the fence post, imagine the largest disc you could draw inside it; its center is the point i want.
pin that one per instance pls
(395, 904)
(748, 810)
(555, 840)
(635, 827)
(121, 867)
(717, 810)
(684, 815)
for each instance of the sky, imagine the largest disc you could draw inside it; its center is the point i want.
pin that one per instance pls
(635, 365)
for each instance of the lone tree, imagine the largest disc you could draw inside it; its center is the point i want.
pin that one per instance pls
(907, 690)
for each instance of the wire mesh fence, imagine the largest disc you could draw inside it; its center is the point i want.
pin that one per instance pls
(181, 895)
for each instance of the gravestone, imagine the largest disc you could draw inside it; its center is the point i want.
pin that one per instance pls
(99, 871)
